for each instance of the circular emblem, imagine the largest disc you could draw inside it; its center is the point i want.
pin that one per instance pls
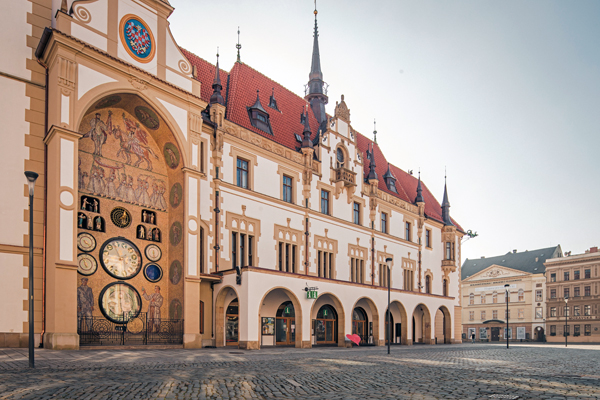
(153, 252)
(137, 38)
(120, 258)
(86, 264)
(175, 233)
(120, 217)
(175, 272)
(147, 117)
(176, 195)
(171, 155)
(120, 302)
(153, 272)
(86, 242)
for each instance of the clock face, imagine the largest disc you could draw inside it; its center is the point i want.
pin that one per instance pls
(86, 264)
(120, 258)
(86, 242)
(153, 252)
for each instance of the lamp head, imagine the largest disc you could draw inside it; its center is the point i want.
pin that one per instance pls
(31, 178)
(566, 299)
(388, 261)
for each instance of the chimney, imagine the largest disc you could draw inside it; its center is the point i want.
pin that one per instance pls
(515, 251)
(536, 259)
(482, 256)
(594, 249)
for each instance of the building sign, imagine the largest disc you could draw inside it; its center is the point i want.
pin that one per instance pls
(268, 326)
(482, 333)
(520, 332)
(311, 292)
(509, 333)
(492, 288)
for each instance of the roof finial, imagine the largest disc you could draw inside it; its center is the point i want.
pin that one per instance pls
(419, 198)
(238, 46)
(217, 87)
(374, 130)
(446, 204)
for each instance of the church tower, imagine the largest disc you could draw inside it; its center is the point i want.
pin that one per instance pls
(316, 89)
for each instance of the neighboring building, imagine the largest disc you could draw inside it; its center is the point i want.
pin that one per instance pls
(198, 206)
(576, 278)
(484, 293)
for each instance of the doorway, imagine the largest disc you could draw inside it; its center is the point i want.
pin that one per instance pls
(232, 323)
(285, 325)
(495, 334)
(391, 328)
(325, 325)
(360, 324)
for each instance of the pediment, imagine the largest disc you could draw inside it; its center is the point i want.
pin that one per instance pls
(496, 272)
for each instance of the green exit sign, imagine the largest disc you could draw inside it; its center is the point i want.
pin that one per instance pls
(312, 294)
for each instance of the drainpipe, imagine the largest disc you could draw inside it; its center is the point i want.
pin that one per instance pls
(306, 234)
(217, 211)
(372, 255)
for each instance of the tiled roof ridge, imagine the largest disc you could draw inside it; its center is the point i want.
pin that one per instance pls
(201, 59)
(533, 253)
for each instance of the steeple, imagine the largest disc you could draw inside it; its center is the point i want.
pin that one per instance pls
(374, 131)
(419, 198)
(446, 207)
(316, 92)
(371, 156)
(238, 46)
(306, 142)
(216, 97)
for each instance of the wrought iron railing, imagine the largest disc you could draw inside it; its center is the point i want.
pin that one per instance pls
(139, 330)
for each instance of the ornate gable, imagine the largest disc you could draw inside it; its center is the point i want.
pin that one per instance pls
(495, 272)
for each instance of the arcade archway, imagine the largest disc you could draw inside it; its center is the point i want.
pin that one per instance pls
(280, 319)
(328, 319)
(421, 325)
(443, 326)
(399, 324)
(365, 321)
(227, 317)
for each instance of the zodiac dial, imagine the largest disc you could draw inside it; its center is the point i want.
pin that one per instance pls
(120, 258)
(86, 264)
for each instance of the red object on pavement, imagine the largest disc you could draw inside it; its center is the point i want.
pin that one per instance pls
(354, 339)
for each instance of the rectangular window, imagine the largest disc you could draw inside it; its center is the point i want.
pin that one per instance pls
(483, 315)
(234, 257)
(356, 270)
(242, 173)
(587, 310)
(250, 249)
(471, 315)
(281, 256)
(356, 213)
(287, 189)
(505, 314)
(587, 330)
(521, 295)
(427, 238)
(587, 291)
(553, 311)
(566, 311)
(287, 257)
(576, 330)
(576, 275)
(567, 330)
(201, 250)
(576, 291)
(482, 298)
(243, 249)
(552, 293)
(552, 330)
(552, 277)
(384, 227)
(587, 273)
(539, 313)
(576, 312)
(539, 295)
(566, 292)
(566, 275)
(324, 201)
(407, 232)
(409, 278)
(201, 161)
(325, 264)
(448, 251)
(201, 317)
(521, 313)
(495, 314)
(383, 275)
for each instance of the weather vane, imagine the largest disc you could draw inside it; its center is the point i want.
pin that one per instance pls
(238, 46)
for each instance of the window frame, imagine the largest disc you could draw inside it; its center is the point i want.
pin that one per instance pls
(327, 200)
(356, 214)
(428, 243)
(408, 231)
(383, 221)
(240, 172)
(287, 190)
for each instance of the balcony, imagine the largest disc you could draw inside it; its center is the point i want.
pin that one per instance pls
(344, 175)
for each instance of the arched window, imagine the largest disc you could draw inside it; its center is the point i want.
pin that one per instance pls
(521, 295)
(340, 157)
(471, 298)
(495, 297)
(427, 284)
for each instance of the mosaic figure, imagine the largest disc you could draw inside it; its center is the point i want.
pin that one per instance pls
(90, 224)
(141, 232)
(85, 303)
(134, 142)
(96, 204)
(99, 131)
(155, 303)
(122, 189)
(81, 220)
(111, 187)
(84, 204)
(99, 224)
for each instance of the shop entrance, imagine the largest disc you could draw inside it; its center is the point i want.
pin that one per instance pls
(325, 325)
(285, 325)
(232, 323)
(360, 325)
(495, 334)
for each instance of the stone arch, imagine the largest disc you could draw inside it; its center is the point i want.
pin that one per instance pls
(103, 91)
(331, 299)
(443, 325)
(398, 313)
(422, 324)
(372, 308)
(224, 297)
(297, 309)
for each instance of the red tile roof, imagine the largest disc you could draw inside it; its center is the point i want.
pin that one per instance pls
(239, 90)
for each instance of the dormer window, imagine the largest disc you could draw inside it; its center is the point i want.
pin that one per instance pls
(259, 117)
(272, 101)
(390, 180)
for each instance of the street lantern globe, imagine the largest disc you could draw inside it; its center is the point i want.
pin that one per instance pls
(31, 178)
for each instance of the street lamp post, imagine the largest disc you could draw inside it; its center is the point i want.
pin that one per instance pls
(388, 261)
(566, 315)
(31, 177)
(506, 296)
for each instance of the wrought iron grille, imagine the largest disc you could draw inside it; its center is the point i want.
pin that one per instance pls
(139, 330)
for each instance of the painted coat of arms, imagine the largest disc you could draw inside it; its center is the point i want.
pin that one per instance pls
(137, 38)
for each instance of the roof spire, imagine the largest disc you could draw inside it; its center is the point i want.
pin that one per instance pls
(316, 93)
(371, 157)
(217, 97)
(257, 104)
(446, 206)
(238, 46)
(374, 130)
(306, 142)
(419, 198)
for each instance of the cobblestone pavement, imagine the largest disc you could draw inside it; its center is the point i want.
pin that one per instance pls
(467, 371)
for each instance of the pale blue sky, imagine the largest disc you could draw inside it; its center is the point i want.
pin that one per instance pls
(505, 94)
